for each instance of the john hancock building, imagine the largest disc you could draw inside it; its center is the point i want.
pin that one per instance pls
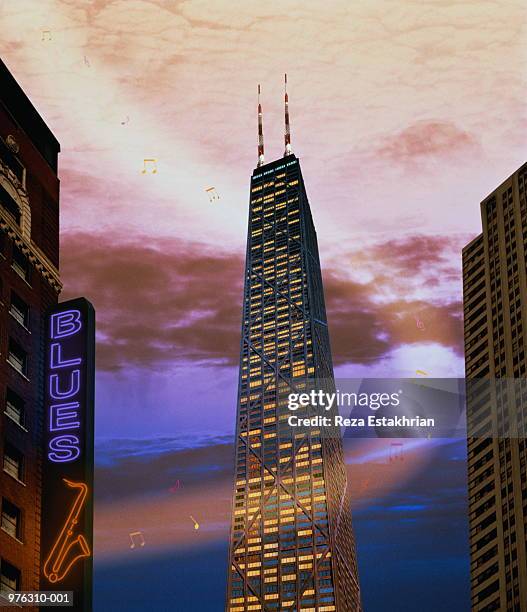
(291, 543)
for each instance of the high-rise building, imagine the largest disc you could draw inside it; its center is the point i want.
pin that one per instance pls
(495, 317)
(291, 543)
(29, 284)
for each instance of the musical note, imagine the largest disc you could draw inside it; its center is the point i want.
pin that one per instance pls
(419, 323)
(196, 524)
(213, 194)
(86, 61)
(136, 533)
(125, 122)
(421, 373)
(396, 452)
(174, 488)
(152, 161)
(44, 33)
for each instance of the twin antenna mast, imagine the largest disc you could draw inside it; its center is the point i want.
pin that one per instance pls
(287, 131)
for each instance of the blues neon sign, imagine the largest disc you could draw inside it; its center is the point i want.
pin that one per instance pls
(67, 507)
(64, 384)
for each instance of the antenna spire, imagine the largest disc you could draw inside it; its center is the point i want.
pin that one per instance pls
(260, 132)
(287, 133)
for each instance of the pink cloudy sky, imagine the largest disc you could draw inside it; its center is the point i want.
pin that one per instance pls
(404, 114)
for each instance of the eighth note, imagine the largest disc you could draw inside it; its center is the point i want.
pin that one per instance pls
(152, 161)
(175, 487)
(127, 120)
(196, 524)
(213, 194)
(136, 533)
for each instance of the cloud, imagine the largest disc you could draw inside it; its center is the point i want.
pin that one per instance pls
(170, 301)
(419, 82)
(414, 254)
(405, 299)
(112, 450)
(125, 469)
(156, 300)
(426, 139)
(363, 330)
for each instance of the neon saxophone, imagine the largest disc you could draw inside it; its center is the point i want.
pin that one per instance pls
(56, 567)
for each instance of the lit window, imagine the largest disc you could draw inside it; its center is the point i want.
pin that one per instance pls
(10, 521)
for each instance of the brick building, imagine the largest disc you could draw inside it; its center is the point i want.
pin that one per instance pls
(29, 283)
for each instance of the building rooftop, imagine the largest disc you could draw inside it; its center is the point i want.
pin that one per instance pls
(18, 105)
(271, 166)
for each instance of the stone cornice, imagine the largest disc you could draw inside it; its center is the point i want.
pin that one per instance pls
(21, 236)
(33, 253)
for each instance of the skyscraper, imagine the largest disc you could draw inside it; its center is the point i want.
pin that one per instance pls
(291, 544)
(495, 309)
(29, 284)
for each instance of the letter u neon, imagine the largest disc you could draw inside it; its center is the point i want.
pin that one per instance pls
(74, 385)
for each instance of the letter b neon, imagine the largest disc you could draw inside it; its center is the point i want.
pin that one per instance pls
(64, 324)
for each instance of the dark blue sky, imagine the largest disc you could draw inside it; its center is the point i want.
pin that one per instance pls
(412, 541)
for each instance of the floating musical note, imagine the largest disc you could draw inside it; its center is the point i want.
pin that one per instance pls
(125, 122)
(46, 33)
(86, 61)
(419, 323)
(396, 452)
(421, 373)
(175, 487)
(196, 524)
(213, 194)
(147, 161)
(136, 533)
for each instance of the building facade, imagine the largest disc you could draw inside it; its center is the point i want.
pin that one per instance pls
(291, 544)
(29, 284)
(495, 317)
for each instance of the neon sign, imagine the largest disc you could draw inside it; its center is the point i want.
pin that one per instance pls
(67, 537)
(60, 560)
(64, 373)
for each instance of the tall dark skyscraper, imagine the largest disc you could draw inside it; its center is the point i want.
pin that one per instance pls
(495, 308)
(29, 284)
(292, 544)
